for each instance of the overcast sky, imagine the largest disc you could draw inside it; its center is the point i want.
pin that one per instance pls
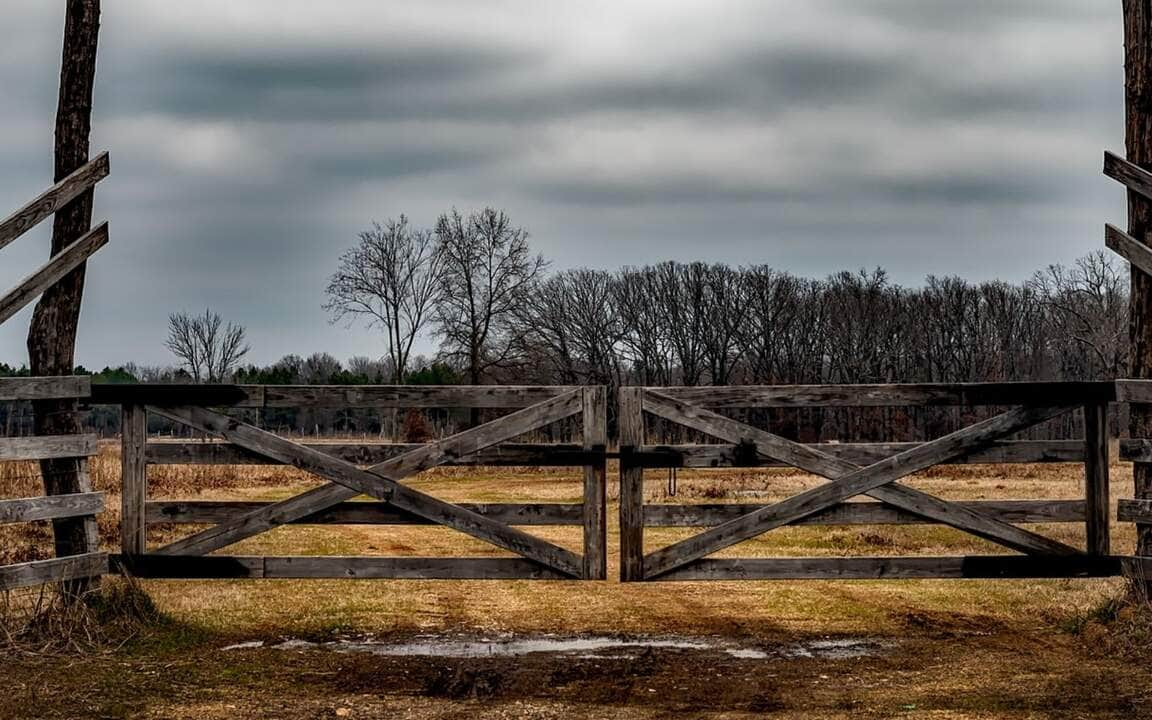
(251, 140)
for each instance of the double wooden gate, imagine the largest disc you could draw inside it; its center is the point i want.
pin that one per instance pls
(852, 469)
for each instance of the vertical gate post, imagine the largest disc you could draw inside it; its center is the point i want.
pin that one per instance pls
(1138, 148)
(631, 422)
(134, 478)
(1097, 505)
(595, 417)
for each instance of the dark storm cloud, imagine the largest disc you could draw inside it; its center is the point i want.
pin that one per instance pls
(923, 136)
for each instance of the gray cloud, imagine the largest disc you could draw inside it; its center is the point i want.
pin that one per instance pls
(928, 137)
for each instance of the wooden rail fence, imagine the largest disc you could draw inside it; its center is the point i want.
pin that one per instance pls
(86, 505)
(342, 466)
(864, 469)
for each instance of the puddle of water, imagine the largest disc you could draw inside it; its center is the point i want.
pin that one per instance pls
(589, 646)
(594, 647)
(841, 649)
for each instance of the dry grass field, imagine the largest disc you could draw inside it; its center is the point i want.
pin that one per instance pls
(939, 649)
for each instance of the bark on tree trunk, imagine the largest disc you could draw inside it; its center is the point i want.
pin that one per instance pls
(52, 335)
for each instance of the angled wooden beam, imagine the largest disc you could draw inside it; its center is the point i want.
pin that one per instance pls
(50, 273)
(1129, 248)
(859, 482)
(381, 481)
(53, 199)
(1128, 174)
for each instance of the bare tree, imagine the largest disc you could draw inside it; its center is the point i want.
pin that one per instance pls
(1086, 305)
(392, 279)
(488, 271)
(570, 322)
(208, 349)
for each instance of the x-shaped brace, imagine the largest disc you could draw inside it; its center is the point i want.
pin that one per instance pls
(849, 480)
(380, 481)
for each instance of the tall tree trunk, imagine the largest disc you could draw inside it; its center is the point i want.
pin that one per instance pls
(52, 335)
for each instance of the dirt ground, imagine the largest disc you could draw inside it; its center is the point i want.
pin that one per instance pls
(939, 649)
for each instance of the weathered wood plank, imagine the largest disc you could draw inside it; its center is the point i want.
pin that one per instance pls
(50, 273)
(47, 447)
(1136, 449)
(1128, 174)
(1128, 247)
(867, 513)
(54, 198)
(1041, 394)
(411, 396)
(380, 481)
(205, 512)
(364, 396)
(1099, 509)
(848, 483)
(39, 572)
(50, 507)
(177, 395)
(595, 439)
(630, 422)
(188, 566)
(875, 568)
(133, 478)
(362, 567)
(506, 454)
(1137, 511)
(44, 388)
(1134, 391)
(732, 455)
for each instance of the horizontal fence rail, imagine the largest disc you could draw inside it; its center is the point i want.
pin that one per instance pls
(86, 505)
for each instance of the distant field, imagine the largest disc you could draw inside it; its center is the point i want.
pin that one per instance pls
(966, 648)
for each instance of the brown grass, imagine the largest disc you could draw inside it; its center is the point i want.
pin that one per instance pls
(966, 639)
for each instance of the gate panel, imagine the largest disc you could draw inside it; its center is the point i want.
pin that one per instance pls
(396, 503)
(862, 468)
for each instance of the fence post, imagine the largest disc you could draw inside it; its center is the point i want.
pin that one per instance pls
(134, 479)
(1097, 505)
(631, 422)
(595, 416)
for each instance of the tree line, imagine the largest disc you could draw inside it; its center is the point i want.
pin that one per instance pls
(474, 283)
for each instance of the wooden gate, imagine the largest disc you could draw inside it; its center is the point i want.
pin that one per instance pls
(388, 467)
(864, 469)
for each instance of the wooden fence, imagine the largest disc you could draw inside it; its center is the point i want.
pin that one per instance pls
(865, 469)
(83, 505)
(343, 467)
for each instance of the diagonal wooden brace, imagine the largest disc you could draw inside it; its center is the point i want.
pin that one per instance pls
(380, 481)
(859, 481)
